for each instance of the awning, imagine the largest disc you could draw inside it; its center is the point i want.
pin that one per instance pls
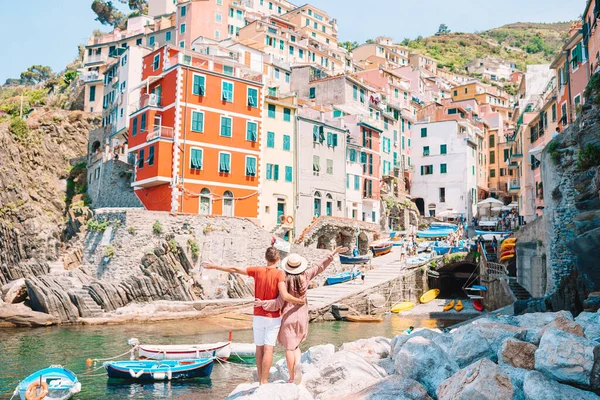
(146, 82)
(537, 151)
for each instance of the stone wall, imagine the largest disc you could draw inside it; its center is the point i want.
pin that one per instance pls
(113, 187)
(531, 258)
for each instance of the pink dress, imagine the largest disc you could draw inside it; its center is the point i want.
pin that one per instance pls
(294, 317)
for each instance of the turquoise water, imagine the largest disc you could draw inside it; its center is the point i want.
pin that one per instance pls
(23, 351)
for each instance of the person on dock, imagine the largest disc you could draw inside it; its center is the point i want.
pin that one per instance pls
(354, 271)
(269, 284)
(294, 317)
(363, 274)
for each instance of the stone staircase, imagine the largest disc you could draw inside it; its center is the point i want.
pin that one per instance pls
(88, 307)
(519, 291)
(56, 267)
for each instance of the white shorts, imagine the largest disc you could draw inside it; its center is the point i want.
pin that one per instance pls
(265, 330)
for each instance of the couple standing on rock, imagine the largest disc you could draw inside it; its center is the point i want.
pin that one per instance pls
(280, 308)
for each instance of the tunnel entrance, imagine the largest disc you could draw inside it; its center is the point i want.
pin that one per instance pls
(450, 279)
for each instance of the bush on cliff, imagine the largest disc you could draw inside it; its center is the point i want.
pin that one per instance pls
(588, 157)
(18, 128)
(593, 89)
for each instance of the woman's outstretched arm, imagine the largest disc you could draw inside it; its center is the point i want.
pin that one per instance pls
(320, 267)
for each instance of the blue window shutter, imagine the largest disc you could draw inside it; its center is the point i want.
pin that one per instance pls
(270, 139)
(335, 139)
(315, 133)
(143, 123)
(134, 127)
(276, 172)
(422, 170)
(288, 174)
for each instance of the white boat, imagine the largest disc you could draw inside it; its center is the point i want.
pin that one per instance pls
(243, 352)
(221, 350)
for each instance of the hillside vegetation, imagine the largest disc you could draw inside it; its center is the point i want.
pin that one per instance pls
(523, 43)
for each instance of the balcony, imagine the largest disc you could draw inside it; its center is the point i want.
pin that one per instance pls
(90, 76)
(146, 100)
(95, 59)
(515, 155)
(514, 185)
(160, 132)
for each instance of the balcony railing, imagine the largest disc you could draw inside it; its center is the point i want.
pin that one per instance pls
(146, 100)
(514, 184)
(95, 58)
(160, 132)
(90, 76)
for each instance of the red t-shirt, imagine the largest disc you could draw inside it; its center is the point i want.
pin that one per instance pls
(266, 280)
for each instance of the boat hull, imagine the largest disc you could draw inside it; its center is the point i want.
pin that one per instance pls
(429, 296)
(62, 383)
(158, 371)
(379, 251)
(341, 278)
(405, 306)
(354, 260)
(222, 351)
(363, 318)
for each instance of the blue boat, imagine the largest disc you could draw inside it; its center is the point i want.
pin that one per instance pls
(434, 233)
(354, 260)
(343, 277)
(58, 382)
(499, 234)
(162, 370)
(443, 225)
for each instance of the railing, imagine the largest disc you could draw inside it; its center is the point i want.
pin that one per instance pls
(514, 184)
(160, 132)
(146, 100)
(95, 58)
(207, 62)
(90, 76)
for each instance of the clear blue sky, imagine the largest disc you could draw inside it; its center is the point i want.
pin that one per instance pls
(48, 31)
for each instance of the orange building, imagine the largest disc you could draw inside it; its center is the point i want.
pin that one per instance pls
(196, 133)
(591, 34)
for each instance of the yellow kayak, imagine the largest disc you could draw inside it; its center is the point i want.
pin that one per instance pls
(507, 246)
(509, 240)
(459, 306)
(404, 306)
(449, 306)
(429, 295)
(506, 258)
(363, 318)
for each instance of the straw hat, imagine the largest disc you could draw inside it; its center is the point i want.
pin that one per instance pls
(294, 264)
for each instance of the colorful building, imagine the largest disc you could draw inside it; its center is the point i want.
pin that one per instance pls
(196, 135)
(591, 34)
(491, 68)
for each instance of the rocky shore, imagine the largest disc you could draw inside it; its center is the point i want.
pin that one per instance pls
(539, 356)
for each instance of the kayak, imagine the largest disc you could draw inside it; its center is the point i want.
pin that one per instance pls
(429, 295)
(404, 306)
(506, 258)
(459, 306)
(478, 305)
(507, 253)
(449, 306)
(363, 318)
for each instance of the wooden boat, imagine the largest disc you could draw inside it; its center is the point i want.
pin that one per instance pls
(449, 306)
(381, 249)
(478, 305)
(354, 260)
(459, 306)
(404, 306)
(429, 295)
(443, 225)
(363, 318)
(221, 350)
(151, 370)
(243, 353)
(343, 277)
(55, 381)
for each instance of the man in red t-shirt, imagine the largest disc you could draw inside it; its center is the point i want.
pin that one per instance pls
(269, 282)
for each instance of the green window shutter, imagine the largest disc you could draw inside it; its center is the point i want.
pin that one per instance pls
(443, 149)
(286, 142)
(198, 85)
(250, 166)
(276, 172)
(423, 132)
(443, 168)
(196, 159)
(422, 170)
(134, 127)
(287, 113)
(329, 139)
(197, 121)
(270, 140)
(335, 140)
(252, 97)
(315, 133)
(251, 129)
(363, 157)
(356, 182)
(143, 123)
(269, 171)
(288, 174)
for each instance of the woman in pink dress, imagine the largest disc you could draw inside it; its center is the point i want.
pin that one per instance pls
(294, 318)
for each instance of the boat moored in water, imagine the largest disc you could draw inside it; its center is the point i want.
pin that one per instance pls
(52, 383)
(160, 370)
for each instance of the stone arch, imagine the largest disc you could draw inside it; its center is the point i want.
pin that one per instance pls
(420, 205)
(451, 278)
(323, 242)
(96, 146)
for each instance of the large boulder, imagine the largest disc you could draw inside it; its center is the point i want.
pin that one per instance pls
(19, 315)
(392, 388)
(591, 324)
(517, 353)
(15, 291)
(560, 323)
(473, 342)
(314, 358)
(48, 294)
(517, 376)
(373, 349)
(424, 361)
(537, 386)
(435, 335)
(535, 322)
(271, 391)
(342, 374)
(569, 358)
(482, 380)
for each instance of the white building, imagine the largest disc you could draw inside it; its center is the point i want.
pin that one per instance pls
(354, 172)
(445, 157)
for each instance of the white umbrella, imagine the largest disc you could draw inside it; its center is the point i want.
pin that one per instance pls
(513, 205)
(490, 201)
(503, 208)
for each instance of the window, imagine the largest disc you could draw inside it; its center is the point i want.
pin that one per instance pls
(151, 41)
(252, 97)
(271, 140)
(442, 195)
(224, 163)
(92, 93)
(138, 42)
(226, 123)
(269, 172)
(502, 171)
(317, 204)
(506, 154)
(272, 111)
(182, 28)
(472, 170)
(287, 77)
(288, 174)
(423, 132)
(227, 91)
(452, 111)
(425, 151)
(287, 114)
(134, 127)
(355, 92)
(403, 142)
(183, 11)
(197, 121)
(492, 173)
(151, 156)
(492, 141)
(443, 149)
(577, 100)
(329, 167)
(276, 73)
(426, 169)
(301, 53)
(143, 123)
(286, 142)
(250, 166)
(362, 96)
(218, 17)
(312, 93)
(492, 157)
(251, 131)
(141, 159)
(156, 62)
(443, 168)
(196, 159)
(316, 165)
(356, 182)
(292, 50)
(227, 70)
(553, 112)
(275, 172)
(182, 44)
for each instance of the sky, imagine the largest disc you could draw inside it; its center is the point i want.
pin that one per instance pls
(47, 32)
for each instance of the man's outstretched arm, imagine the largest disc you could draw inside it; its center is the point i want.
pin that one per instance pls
(231, 270)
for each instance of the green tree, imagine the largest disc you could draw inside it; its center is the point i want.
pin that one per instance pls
(349, 45)
(36, 74)
(370, 41)
(107, 13)
(442, 30)
(405, 42)
(136, 5)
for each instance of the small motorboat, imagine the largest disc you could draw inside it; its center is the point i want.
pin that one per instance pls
(343, 277)
(221, 350)
(404, 306)
(381, 249)
(354, 260)
(243, 353)
(429, 296)
(160, 370)
(363, 318)
(54, 382)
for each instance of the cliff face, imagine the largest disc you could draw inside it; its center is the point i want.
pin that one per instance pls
(34, 187)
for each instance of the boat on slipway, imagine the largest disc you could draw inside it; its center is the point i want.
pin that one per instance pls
(52, 383)
(343, 277)
(160, 370)
(381, 249)
(354, 259)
